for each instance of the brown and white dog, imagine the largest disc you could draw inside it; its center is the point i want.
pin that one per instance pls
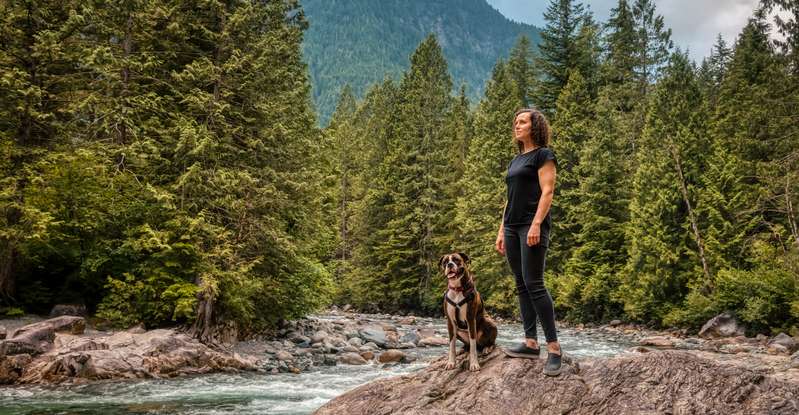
(466, 319)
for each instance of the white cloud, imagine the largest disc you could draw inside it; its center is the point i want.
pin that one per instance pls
(694, 23)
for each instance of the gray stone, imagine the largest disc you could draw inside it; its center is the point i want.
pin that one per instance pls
(283, 355)
(350, 348)
(374, 334)
(410, 337)
(370, 346)
(785, 340)
(355, 341)
(723, 325)
(614, 323)
(351, 359)
(319, 336)
(68, 310)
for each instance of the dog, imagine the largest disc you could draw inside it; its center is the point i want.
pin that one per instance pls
(466, 319)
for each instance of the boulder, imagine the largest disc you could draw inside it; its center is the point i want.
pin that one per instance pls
(410, 337)
(374, 334)
(657, 341)
(351, 359)
(391, 356)
(723, 325)
(785, 340)
(44, 330)
(355, 341)
(661, 381)
(368, 355)
(433, 341)
(319, 336)
(154, 354)
(284, 355)
(614, 323)
(68, 310)
(11, 347)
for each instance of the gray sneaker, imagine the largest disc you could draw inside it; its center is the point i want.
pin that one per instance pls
(553, 365)
(521, 350)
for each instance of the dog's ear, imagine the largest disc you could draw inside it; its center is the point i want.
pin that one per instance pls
(441, 261)
(465, 257)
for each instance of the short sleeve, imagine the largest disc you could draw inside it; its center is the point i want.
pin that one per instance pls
(545, 154)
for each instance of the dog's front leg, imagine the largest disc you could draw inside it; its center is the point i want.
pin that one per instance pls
(473, 365)
(452, 340)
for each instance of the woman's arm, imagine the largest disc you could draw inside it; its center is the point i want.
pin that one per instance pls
(546, 179)
(499, 244)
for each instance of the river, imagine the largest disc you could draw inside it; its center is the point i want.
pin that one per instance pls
(251, 393)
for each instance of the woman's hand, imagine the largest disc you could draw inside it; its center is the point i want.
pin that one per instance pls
(500, 244)
(534, 235)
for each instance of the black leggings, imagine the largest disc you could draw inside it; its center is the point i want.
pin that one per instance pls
(527, 264)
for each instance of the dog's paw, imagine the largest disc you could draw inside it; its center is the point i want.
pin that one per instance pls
(474, 366)
(450, 365)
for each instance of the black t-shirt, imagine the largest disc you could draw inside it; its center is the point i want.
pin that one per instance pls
(524, 191)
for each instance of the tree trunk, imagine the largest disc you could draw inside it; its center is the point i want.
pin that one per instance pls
(708, 285)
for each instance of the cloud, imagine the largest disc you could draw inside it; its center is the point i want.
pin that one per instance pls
(694, 23)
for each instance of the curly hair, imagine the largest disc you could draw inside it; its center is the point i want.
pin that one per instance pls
(539, 126)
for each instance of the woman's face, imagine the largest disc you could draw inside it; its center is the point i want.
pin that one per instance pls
(522, 126)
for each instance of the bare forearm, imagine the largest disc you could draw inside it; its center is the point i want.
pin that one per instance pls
(502, 220)
(544, 203)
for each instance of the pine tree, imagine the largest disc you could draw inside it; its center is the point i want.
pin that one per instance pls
(520, 64)
(480, 213)
(596, 214)
(570, 130)
(558, 52)
(418, 176)
(653, 44)
(36, 59)
(345, 146)
(667, 248)
(619, 65)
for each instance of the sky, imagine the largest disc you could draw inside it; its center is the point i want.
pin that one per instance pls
(694, 23)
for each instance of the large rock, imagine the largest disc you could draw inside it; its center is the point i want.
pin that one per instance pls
(670, 381)
(786, 341)
(391, 356)
(46, 329)
(723, 325)
(657, 341)
(374, 334)
(351, 359)
(154, 354)
(68, 310)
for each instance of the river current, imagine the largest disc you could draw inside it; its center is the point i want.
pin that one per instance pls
(252, 393)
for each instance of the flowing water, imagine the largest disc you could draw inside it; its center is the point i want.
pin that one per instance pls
(250, 393)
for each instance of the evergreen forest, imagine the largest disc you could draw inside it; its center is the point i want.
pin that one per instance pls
(162, 164)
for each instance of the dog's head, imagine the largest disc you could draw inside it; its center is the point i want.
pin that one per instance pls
(455, 267)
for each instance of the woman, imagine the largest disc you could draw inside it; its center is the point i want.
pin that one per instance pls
(524, 233)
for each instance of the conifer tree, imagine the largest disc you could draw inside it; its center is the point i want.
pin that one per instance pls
(419, 179)
(558, 52)
(479, 215)
(570, 131)
(663, 229)
(520, 64)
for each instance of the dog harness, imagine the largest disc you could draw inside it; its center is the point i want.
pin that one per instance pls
(468, 295)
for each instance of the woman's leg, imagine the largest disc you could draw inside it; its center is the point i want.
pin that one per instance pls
(513, 253)
(533, 261)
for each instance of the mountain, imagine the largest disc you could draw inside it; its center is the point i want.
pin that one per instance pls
(361, 41)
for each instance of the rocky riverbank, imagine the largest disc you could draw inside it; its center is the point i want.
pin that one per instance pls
(656, 382)
(63, 349)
